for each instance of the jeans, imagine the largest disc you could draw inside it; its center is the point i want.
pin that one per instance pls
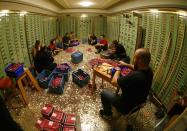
(109, 99)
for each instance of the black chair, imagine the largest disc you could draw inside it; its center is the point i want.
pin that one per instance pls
(136, 110)
(123, 122)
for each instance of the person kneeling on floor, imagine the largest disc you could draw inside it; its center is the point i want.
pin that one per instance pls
(135, 86)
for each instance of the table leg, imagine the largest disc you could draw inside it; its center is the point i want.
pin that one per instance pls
(33, 80)
(102, 83)
(93, 82)
(23, 92)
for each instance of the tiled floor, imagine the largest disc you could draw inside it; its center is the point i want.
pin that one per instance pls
(77, 100)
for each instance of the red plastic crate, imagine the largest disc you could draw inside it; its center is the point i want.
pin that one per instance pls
(40, 123)
(52, 126)
(58, 116)
(47, 110)
(70, 120)
(69, 128)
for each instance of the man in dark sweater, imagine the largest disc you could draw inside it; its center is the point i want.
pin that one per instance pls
(135, 86)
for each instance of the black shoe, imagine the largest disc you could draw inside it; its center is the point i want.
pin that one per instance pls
(107, 117)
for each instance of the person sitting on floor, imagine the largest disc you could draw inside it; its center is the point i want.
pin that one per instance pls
(44, 60)
(52, 46)
(59, 43)
(36, 48)
(72, 36)
(103, 44)
(73, 40)
(66, 41)
(89, 38)
(135, 86)
(117, 51)
(93, 39)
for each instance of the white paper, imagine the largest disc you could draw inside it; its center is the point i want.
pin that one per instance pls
(54, 114)
(39, 121)
(73, 118)
(50, 123)
(44, 108)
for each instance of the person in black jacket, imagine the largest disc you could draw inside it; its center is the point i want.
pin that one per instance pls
(66, 41)
(44, 60)
(135, 86)
(93, 39)
(117, 51)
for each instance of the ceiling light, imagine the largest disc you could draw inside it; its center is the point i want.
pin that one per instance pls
(154, 10)
(183, 13)
(4, 11)
(136, 11)
(84, 15)
(23, 13)
(86, 3)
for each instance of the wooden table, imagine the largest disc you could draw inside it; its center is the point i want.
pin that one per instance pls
(102, 74)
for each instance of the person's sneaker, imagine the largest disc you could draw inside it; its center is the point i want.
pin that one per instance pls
(107, 117)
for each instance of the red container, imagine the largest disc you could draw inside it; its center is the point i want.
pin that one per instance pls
(51, 126)
(58, 116)
(40, 124)
(70, 120)
(47, 110)
(69, 128)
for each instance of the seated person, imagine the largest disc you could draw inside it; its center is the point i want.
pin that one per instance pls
(73, 40)
(103, 44)
(93, 40)
(66, 41)
(135, 86)
(116, 51)
(72, 36)
(59, 42)
(89, 38)
(7, 122)
(52, 46)
(44, 60)
(36, 48)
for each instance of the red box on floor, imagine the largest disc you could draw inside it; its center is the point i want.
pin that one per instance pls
(47, 110)
(69, 128)
(40, 124)
(70, 119)
(52, 126)
(58, 116)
